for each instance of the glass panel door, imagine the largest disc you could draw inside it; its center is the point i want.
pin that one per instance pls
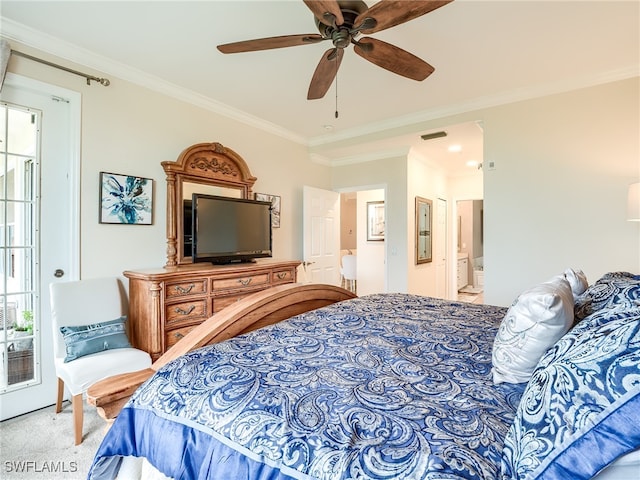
(19, 347)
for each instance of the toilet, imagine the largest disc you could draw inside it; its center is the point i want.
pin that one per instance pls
(478, 272)
(478, 278)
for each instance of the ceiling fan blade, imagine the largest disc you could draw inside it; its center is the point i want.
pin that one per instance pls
(389, 13)
(325, 73)
(392, 58)
(270, 42)
(325, 11)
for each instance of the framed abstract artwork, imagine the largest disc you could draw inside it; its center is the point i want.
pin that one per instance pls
(275, 207)
(126, 199)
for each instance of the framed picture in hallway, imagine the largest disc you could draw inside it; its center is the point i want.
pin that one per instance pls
(275, 207)
(375, 221)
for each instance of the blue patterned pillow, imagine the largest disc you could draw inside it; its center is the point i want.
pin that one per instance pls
(87, 339)
(606, 315)
(581, 407)
(612, 289)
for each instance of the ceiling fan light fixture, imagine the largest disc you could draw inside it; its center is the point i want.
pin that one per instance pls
(342, 22)
(341, 38)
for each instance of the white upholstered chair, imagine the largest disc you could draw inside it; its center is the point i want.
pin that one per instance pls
(342, 254)
(81, 303)
(349, 272)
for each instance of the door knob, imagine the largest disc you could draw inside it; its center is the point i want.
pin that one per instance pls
(58, 273)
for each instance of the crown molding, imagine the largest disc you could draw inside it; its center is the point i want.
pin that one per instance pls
(477, 104)
(32, 38)
(396, 152)
(20, 33)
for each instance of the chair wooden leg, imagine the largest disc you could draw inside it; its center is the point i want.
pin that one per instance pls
(60, 393)
(78, 414)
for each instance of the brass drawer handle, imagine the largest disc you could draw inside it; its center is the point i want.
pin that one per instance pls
(182, 311)
(178, 335)
(245, 281)
(183, 290)
(281, 275)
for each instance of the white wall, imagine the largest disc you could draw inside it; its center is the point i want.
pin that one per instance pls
(391, 175)
(427, 182)
(557, 196)
(371, 254)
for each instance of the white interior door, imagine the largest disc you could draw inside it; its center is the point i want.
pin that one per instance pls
(46, 249)
(440, 256)
(321, 226)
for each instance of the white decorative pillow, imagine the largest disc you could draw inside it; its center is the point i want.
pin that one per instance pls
(533, 324)
(578, 281)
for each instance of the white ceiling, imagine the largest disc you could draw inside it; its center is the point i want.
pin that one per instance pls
(484, 53)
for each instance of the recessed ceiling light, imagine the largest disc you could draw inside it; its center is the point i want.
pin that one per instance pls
(472, 163)
(455, 148)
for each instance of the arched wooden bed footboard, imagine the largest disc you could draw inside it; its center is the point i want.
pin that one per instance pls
(254, 311)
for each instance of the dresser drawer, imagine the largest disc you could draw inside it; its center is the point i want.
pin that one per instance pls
(220, 302)
(192, 287)
(166, 304)
(171, 337)
(240, 282)
(177, 313)
(282, 276)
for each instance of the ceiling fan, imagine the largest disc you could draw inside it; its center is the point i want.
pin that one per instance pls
(343, 22)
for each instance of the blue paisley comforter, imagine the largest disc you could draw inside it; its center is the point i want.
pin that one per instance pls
(387, 386)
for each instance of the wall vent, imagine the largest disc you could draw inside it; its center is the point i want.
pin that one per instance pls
(431, 136)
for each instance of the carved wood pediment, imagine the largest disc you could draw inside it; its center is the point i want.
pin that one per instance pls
(203, 164)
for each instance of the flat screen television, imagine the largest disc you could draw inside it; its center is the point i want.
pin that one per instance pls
(227, 230)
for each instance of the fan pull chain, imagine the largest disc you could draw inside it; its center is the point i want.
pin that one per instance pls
(337, 56)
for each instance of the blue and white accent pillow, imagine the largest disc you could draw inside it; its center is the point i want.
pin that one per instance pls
(581, 408)
(84, 340)
(615, 289)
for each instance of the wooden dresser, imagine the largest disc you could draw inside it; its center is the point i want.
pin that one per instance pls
(165, 303)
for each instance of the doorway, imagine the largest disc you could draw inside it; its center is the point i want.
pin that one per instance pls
(40, 158)
(470, 248)
(370, 254)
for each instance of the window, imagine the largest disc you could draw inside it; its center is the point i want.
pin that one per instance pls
(19, 130)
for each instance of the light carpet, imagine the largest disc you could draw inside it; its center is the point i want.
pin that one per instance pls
(39, 445)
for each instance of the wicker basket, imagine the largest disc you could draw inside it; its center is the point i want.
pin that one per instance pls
(20, 366)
